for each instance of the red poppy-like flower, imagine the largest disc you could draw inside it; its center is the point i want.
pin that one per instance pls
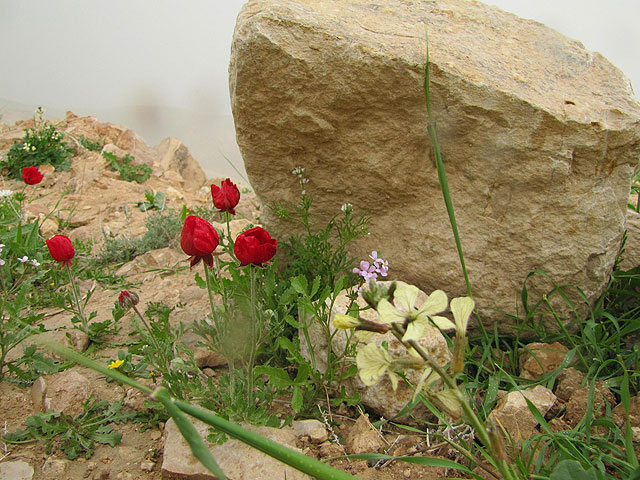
(199, 239)
(255, 246)
(226, 196)
(128, 299)
(31, 175)
(61, 249)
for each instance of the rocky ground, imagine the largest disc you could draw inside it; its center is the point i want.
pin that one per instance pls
(97, 200)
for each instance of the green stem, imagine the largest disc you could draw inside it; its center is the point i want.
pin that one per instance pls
(160, 351)
(471, 416)
(230, 242)
(76, 298)
(444, 187)
(564, 330)
(211, 305)
(293, 458)
(252, 332)
(189, 432)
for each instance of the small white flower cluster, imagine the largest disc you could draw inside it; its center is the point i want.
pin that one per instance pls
(28, 147)
(5, 193)
(299, 172)
(347, 208)
(24, 259)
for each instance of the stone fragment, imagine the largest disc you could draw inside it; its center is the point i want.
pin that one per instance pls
(236, 459)
(364, 438)
(620, 415)
(579, 401)
(513, 414)
(174, 156)
(569, 380)
(540, 139)
(54, 468)
(61, 392)
(16, 470)
(540, 358)
(631, 254)
(312, 429)
(330, 449)
(49, 227)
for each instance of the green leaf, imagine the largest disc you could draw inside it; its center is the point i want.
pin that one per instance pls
(572, 470)
(299, 284)
(278, 377)
(296, 399)
(111, 439)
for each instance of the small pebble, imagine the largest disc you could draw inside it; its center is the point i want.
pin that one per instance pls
(147, 466)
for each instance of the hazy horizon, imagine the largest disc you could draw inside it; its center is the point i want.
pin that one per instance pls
(160, 67)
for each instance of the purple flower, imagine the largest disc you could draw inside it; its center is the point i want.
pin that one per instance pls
(370, 271)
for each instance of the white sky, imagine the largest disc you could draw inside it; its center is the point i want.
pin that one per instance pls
(107, 58)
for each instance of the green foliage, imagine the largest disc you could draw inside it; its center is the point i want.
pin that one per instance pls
(320, 251)
(76, 436)
(40, 145)
(153, 200)
(128, 171)
(91, 145)
(163, 230)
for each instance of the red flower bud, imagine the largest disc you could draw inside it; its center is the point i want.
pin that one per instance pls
(31, 175)
(128, 299)
(61, 249)
(255, 246)
(226, 197)
(199, 239)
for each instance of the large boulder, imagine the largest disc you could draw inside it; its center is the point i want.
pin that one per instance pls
(540, 139)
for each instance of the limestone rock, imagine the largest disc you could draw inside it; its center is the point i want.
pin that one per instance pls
(540, 139)
(512, 411)
(236, 459)
(364, 438)
(174, 156)
(620, 416)
(540, 358)
(631, 254)
(569, 380)
(313, 430)
(16, 470)
(61, 392)
(380, 398)
(579, 401)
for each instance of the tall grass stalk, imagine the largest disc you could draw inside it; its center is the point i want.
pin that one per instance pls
(444, 185)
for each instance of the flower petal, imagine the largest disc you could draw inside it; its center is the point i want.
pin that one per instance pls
(372, 362)
(415, 331)
(388, 313)
(461, 309)
(405, 297)
(436, 303)
(443, 323)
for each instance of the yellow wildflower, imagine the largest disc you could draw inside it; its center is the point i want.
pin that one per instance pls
(373, 362)
(345, 322)
(404, 308)
(115, 364)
